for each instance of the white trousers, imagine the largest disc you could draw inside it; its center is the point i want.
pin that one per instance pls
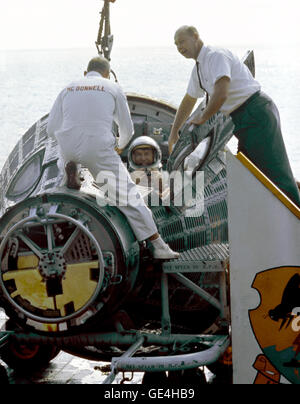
(97, 153)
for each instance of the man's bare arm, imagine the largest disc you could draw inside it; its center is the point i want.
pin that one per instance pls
(216, 101)
(184, 111)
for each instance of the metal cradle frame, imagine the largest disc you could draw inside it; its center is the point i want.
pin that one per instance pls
(205, 259)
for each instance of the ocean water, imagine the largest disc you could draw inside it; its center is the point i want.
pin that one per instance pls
(31, 80)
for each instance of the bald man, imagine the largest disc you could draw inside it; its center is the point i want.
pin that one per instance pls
(232, 90)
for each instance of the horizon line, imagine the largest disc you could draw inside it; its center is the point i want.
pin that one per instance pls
(240, 44)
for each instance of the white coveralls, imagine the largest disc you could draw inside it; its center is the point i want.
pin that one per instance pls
(81, 119)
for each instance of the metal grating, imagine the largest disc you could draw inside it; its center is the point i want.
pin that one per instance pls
(209, 258)
(79, 250)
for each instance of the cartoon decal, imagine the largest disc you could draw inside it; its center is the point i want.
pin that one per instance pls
(276, 324)
(266, 373)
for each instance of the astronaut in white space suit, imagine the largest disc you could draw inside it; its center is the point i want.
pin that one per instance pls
(81, 120)
(145, 162)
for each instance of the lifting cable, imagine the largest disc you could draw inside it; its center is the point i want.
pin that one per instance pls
(105, 39)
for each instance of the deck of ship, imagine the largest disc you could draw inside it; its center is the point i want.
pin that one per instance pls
(66, 369)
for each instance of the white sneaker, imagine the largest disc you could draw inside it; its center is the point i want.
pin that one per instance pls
(162, 251)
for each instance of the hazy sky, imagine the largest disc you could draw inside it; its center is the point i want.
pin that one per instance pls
(30, 24)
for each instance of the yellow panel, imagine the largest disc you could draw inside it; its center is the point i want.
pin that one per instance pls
(31, 287)
(77, 286)
(27, 261)
(269, 184)
(48, 327)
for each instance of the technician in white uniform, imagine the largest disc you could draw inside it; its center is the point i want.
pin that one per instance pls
(81, 119)
(233, 91)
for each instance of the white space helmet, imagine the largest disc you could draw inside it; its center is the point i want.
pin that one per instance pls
(144, 142)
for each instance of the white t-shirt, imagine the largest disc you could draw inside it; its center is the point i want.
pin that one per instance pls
(92, 102)
(215, 63)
